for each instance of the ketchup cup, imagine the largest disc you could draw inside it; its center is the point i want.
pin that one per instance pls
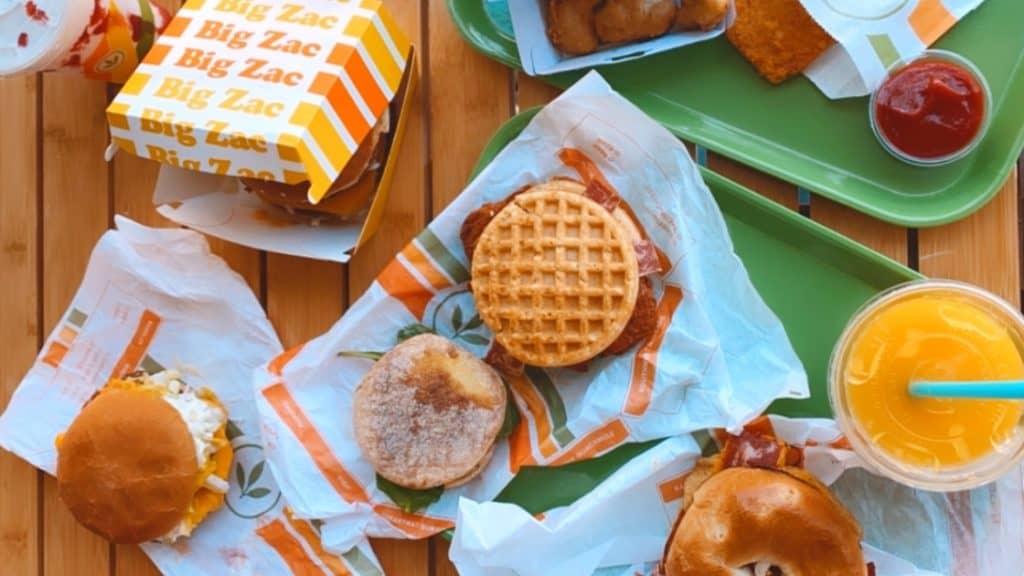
(932, 110)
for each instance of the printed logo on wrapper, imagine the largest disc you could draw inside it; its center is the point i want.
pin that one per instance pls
(125, 317)
(668, 385)
(277, 90)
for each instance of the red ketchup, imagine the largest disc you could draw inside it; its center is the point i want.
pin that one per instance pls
(930, 109)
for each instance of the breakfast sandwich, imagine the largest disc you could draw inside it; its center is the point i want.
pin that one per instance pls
(146, 459)
(752, 509)
(351, 193)
(778, 37)
(428, 413)
(559, 272)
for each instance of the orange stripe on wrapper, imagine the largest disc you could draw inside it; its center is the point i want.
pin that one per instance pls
(425, 266)
(538, 412)
(55, 354)
(672, 489)
(333, 563)
(597, 442)
(646, 362)
(137, 346)
(401, 285)
(276, 366)
(930, 19)
(281, 400)
(289, 549)
(519, 452)
(415, 525)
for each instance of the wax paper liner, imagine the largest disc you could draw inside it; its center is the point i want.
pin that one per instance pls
(154, 299)
(718, 357)
(873, 35)
(620, 528)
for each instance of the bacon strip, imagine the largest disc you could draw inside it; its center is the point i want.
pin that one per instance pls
(608, 199)
(753, 450)
(503, 362)
(647, 257)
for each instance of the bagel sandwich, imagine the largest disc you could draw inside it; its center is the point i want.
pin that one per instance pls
(428, 413)
(752, 510)
(560, 272)
(146, 459)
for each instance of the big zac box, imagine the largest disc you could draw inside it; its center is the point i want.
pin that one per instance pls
(273, 91)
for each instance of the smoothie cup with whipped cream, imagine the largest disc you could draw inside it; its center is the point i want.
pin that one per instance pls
(99, 39)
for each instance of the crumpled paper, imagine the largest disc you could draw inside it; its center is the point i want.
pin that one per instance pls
(155, 299)
(719, 357)
(872, 35)
(620, 528)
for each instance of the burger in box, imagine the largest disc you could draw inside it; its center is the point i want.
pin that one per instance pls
(303, 104)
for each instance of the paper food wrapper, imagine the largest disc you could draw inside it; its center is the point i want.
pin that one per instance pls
(156, 299)
(539, 57)
(221, 207)
(873, 35)
(621, 527)
(719, 356)
(282, 91)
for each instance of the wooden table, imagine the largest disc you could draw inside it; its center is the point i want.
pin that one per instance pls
(59, 196)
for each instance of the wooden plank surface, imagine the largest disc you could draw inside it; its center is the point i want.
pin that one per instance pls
(57, 203)
(20, 313)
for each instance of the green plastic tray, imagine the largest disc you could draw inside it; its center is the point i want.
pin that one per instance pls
(813, 278)
(709, 94)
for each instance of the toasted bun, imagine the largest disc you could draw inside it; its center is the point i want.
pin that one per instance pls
(428, 412)
(350, 193)
(127, 466)
(747, 516)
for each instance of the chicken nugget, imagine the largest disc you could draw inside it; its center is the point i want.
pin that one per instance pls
(571, 26)
(778, 37)
(630, 20)
(701, 14)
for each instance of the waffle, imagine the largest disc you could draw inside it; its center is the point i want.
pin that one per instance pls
(555, 276)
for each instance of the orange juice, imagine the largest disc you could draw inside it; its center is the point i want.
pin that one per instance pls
(939, 331)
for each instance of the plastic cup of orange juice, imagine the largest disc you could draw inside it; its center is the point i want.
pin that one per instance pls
(935, 330)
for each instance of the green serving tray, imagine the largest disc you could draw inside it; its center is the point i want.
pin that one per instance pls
(813, 278)
(709, 94)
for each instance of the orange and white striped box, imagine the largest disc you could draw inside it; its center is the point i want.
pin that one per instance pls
(282, 91)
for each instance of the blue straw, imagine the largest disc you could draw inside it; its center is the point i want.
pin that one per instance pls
(1001, 389)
